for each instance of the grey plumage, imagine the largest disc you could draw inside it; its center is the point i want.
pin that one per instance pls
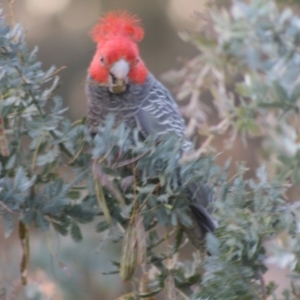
(152, 109)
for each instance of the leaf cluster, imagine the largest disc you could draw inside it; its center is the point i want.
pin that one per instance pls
(54, 175)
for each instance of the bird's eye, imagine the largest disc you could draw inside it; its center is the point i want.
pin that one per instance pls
(102, 60)
(137, 60)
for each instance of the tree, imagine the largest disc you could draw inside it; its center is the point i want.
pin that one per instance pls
(248, 62)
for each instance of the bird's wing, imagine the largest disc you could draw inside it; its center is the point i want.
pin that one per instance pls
(159, 115)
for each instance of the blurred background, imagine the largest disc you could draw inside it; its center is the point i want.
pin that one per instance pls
(61, 269)
(60, 28)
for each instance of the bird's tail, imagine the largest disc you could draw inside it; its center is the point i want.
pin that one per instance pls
(201, 197)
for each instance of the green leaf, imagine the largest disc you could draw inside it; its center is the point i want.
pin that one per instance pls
(75, 232)
(8, 225)
(213, 244)
(41, 222)
(48, 157)
(102, 226)
(61, 228)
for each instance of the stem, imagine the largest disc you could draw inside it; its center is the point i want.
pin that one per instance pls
(8, 209)
(11, 12)
(35, 154)
(130, 161)
(263, 286)
(24, 238)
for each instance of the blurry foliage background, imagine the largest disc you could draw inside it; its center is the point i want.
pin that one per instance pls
(60, 29)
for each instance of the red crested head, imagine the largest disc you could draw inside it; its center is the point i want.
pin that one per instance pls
(117, 58)
(119, 23)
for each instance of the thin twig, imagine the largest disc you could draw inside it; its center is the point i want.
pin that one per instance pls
(263, 285)
(34, 157)
(65, 66)
(7, 208)
(191, 156)
(77, 154)
(132, 160)
(11, 11)
(147, 197)
(24, 239)
(107, 183)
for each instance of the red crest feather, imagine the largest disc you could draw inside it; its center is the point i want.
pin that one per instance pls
(118, 23)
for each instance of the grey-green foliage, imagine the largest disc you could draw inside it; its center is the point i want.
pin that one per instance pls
(32, 188)
(249, 55)
(248, 63)
(51, 178)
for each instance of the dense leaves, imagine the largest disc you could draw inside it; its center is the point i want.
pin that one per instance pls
(53, 174)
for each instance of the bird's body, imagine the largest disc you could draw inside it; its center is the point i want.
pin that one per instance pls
(124, 106)
(118, 82)
(148, 106)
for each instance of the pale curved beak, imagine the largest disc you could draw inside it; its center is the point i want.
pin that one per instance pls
(118, 78)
